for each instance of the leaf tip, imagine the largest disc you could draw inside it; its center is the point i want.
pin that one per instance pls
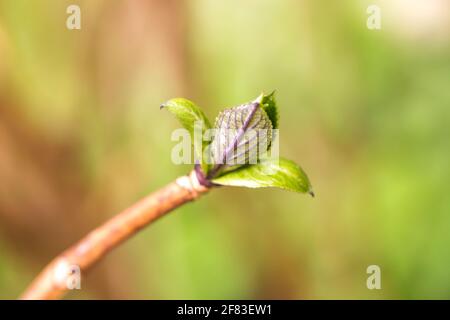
(311, 193)
(272, 94)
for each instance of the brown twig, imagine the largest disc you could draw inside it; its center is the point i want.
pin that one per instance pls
(51, 283)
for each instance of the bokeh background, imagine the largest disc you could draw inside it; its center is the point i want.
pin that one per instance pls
(365, 112)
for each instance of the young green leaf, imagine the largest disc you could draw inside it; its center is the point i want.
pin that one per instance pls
(269, 105)
(280, 173)
(189, 114)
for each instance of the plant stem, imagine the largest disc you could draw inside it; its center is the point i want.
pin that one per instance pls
(52, 282)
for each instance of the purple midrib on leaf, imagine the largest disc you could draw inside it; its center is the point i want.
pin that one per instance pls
(253, 107)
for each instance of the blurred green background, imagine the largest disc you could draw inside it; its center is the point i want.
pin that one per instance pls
(365, 112)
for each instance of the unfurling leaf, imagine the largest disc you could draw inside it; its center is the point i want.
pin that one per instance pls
(189, 116)
(237, 154)
(280, 173)
(243, 133)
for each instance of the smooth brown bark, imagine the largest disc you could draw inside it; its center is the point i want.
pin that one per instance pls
(52, 282)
